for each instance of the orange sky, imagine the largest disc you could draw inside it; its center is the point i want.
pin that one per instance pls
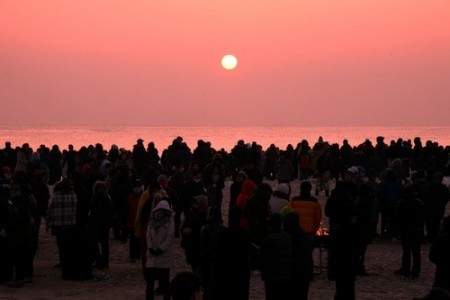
(145, 62)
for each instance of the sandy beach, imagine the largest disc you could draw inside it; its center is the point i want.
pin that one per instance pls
(124, 279)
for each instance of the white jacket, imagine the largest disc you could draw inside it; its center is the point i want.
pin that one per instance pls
(160, 238)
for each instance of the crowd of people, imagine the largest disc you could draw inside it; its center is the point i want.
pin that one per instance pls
(152, 201)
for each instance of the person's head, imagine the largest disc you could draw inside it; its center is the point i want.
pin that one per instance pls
(351, 173)
(161, 210)
(241, 176)
(284, 189)
(20, 183)
(263, 192)
(200, 203)
(100, 187)
(63, 186)
(305, 188)
(163, 181)
(185, 286)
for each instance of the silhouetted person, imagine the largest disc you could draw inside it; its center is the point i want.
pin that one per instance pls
(235, 188)
(139, 156)
(21, 233)
(302, 261)
(343, 194)
(390, 192)
(276, 260)
(186, 286)
(209, 240)
(410, 218)
(440, 256)
(190, 231)
(343, 253)
(100, 223)
(233, 258)
(438, 199)
(364, 208)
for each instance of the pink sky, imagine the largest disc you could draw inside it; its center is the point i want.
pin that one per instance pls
(146, 62)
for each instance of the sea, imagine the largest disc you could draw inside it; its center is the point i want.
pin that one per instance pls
(219, 137)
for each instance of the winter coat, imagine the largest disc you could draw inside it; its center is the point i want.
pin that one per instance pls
(191, 242)
(309, 212)
(100, 217)
(248, 188)
(341, 198)
(342, 254)
(276, 257)
(233, 258)
(20, 227)
(302, 261)
(160, 236)
(277, 202)
(410, 217)
(439, 255)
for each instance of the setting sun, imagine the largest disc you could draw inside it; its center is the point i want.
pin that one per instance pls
(229, 62)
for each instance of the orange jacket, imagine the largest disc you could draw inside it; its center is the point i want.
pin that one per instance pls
(310, 214)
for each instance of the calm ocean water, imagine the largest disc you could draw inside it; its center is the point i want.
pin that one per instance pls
(220, 137)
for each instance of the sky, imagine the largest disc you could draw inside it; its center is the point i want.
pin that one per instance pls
(300, 62)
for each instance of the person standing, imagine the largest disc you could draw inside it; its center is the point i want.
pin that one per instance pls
(364, 207)
(410, 219)
(158, 257)
(439, 255)
(100, 220)
(62, 219)
(280, 198)
(233, 259)
(343, 253)
(20, 229)
(209, 235)
(439, 197)
(302, 261)
(308, 210)
(132, 206)
(190, 231)
(276, 260)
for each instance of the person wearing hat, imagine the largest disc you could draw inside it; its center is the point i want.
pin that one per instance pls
(280, 198)
(158, 257)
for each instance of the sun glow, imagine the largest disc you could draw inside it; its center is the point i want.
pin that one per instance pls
(229, 62)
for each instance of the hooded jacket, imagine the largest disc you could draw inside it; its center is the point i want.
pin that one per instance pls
(160, 236)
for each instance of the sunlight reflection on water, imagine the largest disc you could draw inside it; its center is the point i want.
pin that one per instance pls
(220, 137)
